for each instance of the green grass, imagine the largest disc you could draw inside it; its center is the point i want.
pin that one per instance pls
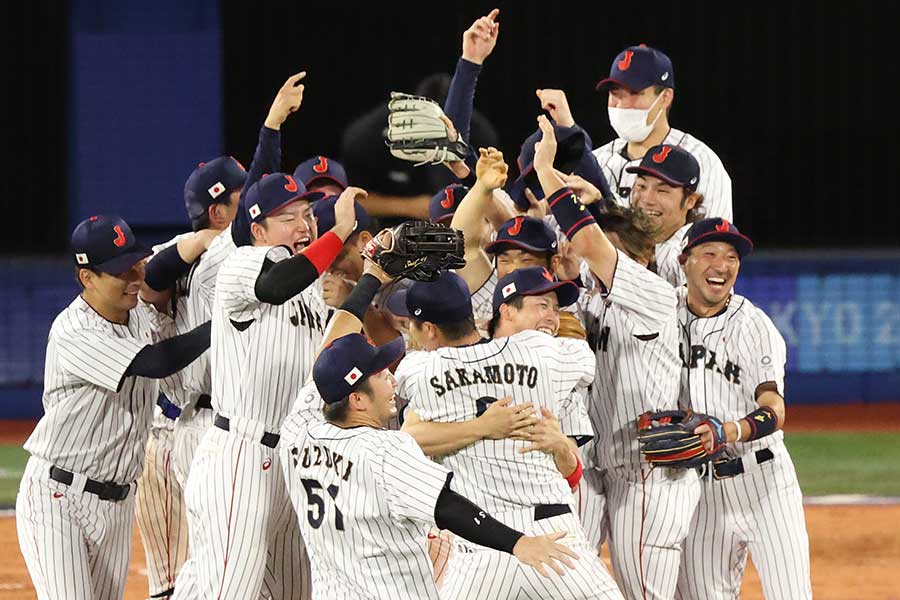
(846, 463)
(12, 463)
(827, 463)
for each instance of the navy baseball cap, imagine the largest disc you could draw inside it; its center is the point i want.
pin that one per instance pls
(673, 164)
(444, 203)
(533, 281)
(106, 243)
(350, 359)
(716, 230)
(573, 155)
(211, 182)
(324, 212)
(446, 300)
(321, 170)
(273, 192)
(524, 233)
(639, 67)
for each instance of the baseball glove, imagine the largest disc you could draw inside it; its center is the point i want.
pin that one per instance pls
(570, 326)
(667, 438)
(417, 250)
(418, 131)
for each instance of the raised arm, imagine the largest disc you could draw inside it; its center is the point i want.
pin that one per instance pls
(491, 173)
(588, 240)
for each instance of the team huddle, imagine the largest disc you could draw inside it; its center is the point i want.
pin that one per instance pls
(295, 402)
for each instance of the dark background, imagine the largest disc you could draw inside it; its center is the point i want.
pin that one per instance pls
(799, 104)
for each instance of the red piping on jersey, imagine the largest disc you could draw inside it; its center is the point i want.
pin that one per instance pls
(237, 464)
(641, 538)
(322, 252)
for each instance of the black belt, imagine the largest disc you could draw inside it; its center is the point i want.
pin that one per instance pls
(545, 511)
(724, 469)
(268, 439)
(105, 491)
(204, 401)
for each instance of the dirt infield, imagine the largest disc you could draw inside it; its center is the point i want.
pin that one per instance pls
(855, 550)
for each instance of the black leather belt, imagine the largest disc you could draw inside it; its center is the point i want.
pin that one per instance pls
(724, 469)
(204, 401)
(545, 511)
(105, 491)
(268, 439)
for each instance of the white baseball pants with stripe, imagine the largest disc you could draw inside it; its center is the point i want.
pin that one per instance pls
(478, 573)
(76, 546)
(760, 511)
(244, 532)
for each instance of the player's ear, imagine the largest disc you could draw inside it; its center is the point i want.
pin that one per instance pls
(555, 260)
(363, 238)
(258, 231)
(86, 277)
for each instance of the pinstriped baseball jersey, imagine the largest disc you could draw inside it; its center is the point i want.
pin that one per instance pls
(262, 353)
(458, 384)
(715, 184)
(633, 331)
(725, 358)
(96, 420)
(483, 299)
(361, 495)
(667, 252)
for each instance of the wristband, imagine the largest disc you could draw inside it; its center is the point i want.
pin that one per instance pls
(322, 252)
(763, 422)
(360, 297)
(575, 476)
(570, 213)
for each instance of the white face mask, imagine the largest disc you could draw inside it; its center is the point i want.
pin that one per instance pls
(631, 123)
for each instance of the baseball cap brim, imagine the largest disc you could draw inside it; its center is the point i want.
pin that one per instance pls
(657, 174)
(386, 355)
(308, 196)
(333, 180)
(566, 292)
(123, 262)
(396, 303)
(498, 246)
(634, 85)
(741, 243)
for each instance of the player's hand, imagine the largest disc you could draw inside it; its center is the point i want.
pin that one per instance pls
(547, 436)
(479, 39)
(545, 149)
(336, 288)
(287, 100)
(536, 208)
(459, 168)
(345, 211)
(556, 103)
(491, 170)
(372, 268)
(501, 421)
(544, 550)
(708, 439)
(586, 191)
(569, 265)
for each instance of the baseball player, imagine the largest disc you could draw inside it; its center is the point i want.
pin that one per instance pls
(362, 492)
(448, 388)
(322, 174)
(733, 366)
(347, 268)
(75, 506)
(268, 321)
(632, 325)
(641, 89)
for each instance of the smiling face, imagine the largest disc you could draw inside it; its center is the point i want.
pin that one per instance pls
(711, 269)
(112, 296)
(665, 205)
(378, 396)
(292, 225)
(512, 259)
(540, 313)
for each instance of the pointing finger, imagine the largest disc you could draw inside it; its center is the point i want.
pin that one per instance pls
(293, 79)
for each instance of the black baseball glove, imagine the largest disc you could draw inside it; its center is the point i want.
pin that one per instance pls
(417, 250)
(667, 438)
